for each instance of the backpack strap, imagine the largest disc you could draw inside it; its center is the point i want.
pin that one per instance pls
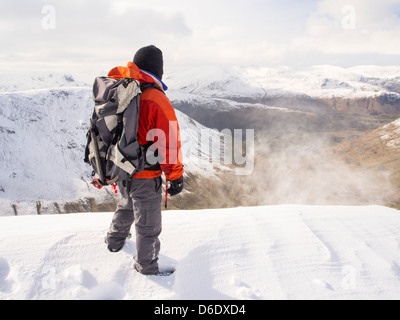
(149, 167)
(145, 86)
(119, 129)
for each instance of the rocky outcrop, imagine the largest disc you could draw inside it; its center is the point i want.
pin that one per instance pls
(385, 104)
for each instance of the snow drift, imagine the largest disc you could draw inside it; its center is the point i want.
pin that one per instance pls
(273, 252)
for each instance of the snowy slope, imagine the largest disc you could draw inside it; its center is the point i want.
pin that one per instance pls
(276, 252)
(390, 134)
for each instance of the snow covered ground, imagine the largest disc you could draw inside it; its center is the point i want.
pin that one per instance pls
(273, 252)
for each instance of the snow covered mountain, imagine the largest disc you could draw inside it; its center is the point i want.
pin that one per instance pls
(281, 92)
(42, 141)
(44, 118)
(317, 81)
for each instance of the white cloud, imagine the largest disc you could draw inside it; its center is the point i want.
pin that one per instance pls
(232, 32)
(86, 32)
(365, 26)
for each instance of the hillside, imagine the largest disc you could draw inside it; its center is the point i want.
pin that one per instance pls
(273, 252)
(298, 117)
(377, 152)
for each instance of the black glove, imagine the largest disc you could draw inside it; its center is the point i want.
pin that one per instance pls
(176, 187)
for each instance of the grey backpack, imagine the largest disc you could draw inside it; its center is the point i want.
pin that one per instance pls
(112, 148)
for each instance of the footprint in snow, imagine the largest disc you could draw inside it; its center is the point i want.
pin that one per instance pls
(6, 284)
(84, 286)
(106, 291)
(323, 284)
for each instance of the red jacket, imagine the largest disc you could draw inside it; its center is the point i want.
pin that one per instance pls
(157, 124)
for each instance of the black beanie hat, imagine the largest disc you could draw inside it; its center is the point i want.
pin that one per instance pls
(150, 59)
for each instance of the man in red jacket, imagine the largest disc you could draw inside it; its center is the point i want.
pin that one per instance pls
(158, 133)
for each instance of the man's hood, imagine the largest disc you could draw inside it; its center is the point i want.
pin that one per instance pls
(132, 71)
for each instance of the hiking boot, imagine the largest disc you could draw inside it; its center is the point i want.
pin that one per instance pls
(162, 272)
(115, 249)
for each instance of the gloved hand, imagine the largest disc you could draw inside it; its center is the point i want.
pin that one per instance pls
(176, 187)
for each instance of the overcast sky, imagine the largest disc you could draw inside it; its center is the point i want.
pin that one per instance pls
(99, 34)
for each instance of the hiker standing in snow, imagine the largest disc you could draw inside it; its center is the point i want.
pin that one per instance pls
(141, 195)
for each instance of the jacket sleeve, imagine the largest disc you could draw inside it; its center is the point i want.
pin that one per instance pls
(160, 126)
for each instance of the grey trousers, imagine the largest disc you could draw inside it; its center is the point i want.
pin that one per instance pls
(142, 206)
